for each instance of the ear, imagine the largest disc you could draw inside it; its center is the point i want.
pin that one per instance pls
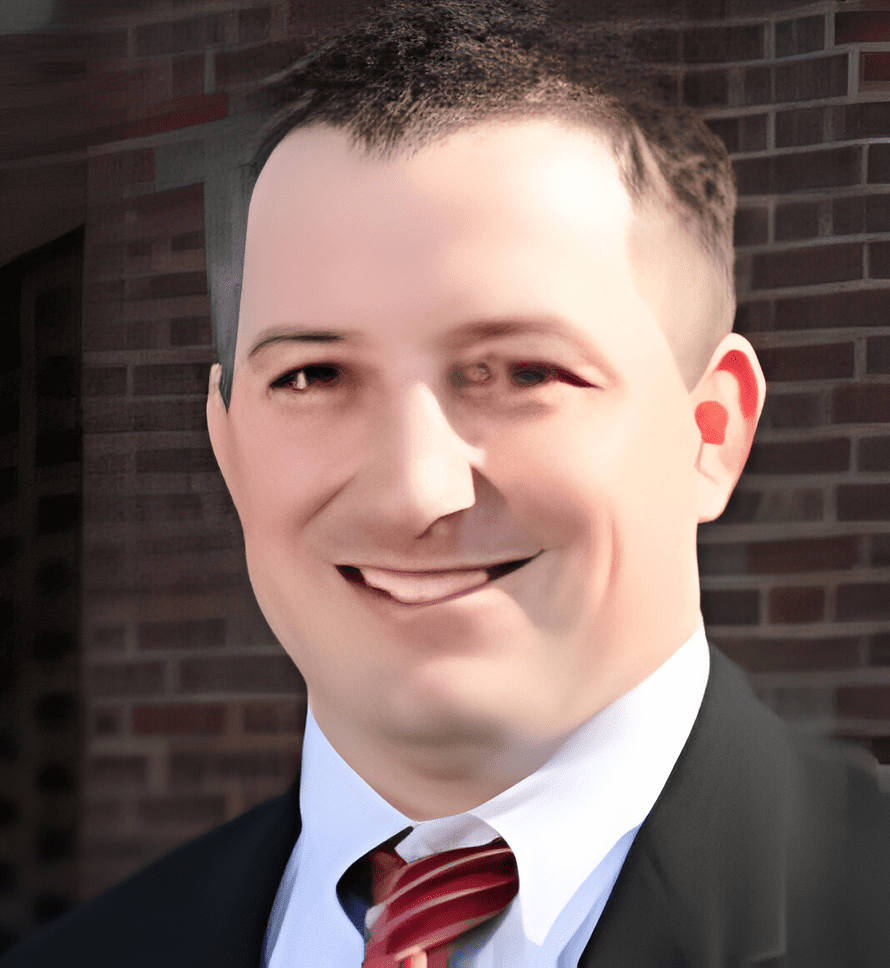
(218, 421)
(727, 401)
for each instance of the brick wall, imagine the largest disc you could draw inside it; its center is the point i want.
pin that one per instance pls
(191, 710)
(795, 580)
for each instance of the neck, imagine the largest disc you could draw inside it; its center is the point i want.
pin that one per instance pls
(441, 777)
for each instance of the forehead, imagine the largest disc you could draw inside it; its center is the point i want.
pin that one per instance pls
(499, 218)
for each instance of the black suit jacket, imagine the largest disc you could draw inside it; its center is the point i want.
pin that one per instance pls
(760, 851)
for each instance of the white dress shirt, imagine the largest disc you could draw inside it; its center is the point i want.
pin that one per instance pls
(570, 826)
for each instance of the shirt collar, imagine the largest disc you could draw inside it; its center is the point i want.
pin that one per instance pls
(600, 785)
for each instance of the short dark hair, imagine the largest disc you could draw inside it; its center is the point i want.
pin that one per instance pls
(417, 70)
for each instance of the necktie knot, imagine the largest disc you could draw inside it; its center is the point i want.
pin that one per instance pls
(423, 906)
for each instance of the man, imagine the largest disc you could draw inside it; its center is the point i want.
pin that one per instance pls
(484, 388)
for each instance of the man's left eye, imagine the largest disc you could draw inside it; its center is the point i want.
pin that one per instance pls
(525, 375)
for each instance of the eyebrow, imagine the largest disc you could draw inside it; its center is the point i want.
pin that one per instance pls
(481, 332)
(296, 336)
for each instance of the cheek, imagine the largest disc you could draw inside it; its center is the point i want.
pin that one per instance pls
(582, 475)
(283, 470)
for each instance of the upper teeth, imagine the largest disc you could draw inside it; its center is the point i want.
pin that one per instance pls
(415, 587)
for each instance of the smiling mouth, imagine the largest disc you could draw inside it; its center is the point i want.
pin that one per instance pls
(427, 587)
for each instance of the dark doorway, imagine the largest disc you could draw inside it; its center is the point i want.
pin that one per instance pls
(40, 499)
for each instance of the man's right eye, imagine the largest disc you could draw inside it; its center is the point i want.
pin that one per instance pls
(316, 376)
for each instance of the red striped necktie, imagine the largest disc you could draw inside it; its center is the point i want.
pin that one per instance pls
(424, 906)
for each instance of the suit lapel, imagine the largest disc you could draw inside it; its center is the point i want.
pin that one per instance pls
(705, 879)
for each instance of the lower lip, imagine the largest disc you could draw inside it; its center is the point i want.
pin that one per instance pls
(353, 578)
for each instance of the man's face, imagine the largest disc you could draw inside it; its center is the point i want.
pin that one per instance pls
(458, 440)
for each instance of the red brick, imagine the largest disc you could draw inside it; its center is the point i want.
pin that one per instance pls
(187, 769)
(870, 119)
(746, 133)
(254, 673)
(142, 334)
(189, 634)
(863, 702)
(794, 605)
(813, 265)
(751, 226)
(705, 88)
(863, 307)
(787, 411)
(874, 454)
(104, 381)
(187, 241)
(103, 290)
(877, 213)
(182, 719)
(791, 655)
(879, 649)
(107, 416)
(800, 36)
(716, 45)
(167, 285)
(758, 85)
(799, 127)
(863, 502)
(657, 46)
(121, 168)
(875, 66)
(870, 600)
(878, 354)
(174, 37)
(848, 215)
(200, 109)
(168, 203)
(188, 74)
(169, 460)
(118, 771)
(253, 25)
(202, 811)
(880, 550)
(797, 220)
(170, 378)
(866, 403)
(238, 66)
(106, 721)
(730, 607)
(52, 48)
(820, 361)
(755, 317)
(773, 506)
(126, 679)
(807, 80)
(275, 717)
(754, 176)
(879, 164)
(861, 26)
(191, 331)
(879, 260)
(799, 171)
(825, 168)
(825, 456)
(801, 555)
(108, 637)
(143, 507)
(184, 544)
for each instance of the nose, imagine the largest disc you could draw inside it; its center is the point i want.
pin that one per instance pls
(424, 467)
